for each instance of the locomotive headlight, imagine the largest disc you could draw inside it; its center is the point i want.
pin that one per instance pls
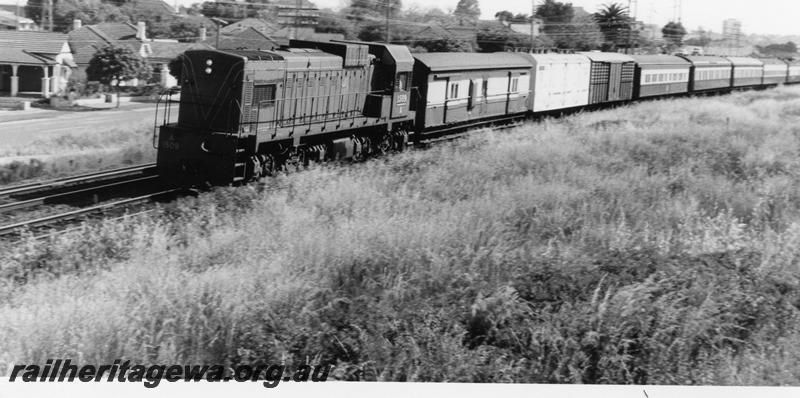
(209, 62)
(208, 71)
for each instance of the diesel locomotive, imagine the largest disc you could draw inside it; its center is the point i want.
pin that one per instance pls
(244, 114)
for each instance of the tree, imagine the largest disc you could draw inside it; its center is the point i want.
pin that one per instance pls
(360, 10)
(467, 11)
(786, 50)
(615, 23)
(113, 65)
(175, 67)
(557, 18)
(88, 11)
(329, 22)
(494, 37)
(702, 39)
(34, 10)
(582, 34)
(504, 16)
(673, 34)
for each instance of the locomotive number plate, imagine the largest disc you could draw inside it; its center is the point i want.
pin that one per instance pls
(401, 99)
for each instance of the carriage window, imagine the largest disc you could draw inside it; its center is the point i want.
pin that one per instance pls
(401, 82)
(514, 84)
(453, 90)
(485, 88)
(264, 95)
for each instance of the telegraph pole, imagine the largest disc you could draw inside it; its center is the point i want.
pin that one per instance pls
(50, 13)
(533, 21)
(633, 6)
(298, 4)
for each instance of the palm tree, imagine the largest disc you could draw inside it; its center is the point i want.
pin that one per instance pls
(614, 22)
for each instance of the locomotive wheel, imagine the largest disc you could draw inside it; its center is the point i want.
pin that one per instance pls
(384, 144)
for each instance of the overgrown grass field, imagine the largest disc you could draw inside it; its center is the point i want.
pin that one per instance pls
(70, 154)
(653, 243)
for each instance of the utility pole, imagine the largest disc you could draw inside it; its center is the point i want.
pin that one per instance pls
(16, 16)
(388, 9)
(50, 13)
(677, 11)
(633, 6)
(533, 21)
(298, 4)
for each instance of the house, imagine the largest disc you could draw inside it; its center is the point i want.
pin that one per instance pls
(9, 20)
(159, 53)
(295, 13)
(245, 38)
(86, 40)
(34, 63)
(260, 25)
(525, 28)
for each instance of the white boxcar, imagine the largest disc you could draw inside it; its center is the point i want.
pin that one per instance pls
(559, 81)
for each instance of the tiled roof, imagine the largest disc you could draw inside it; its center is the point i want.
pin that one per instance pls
(116, 31)
(258, 24)
(154, 5)
(19, 56)
(249, 38)
(33, 42)
(166, 51)
(86, 40)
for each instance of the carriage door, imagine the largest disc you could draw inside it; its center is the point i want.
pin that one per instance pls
(615, 81)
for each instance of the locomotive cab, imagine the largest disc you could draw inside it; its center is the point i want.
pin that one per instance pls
(390, 95)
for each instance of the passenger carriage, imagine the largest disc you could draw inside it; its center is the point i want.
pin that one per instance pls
(457, 88)
(658, 75)
(747, 72)
(709, 73)
(794, 72)
(775, 71)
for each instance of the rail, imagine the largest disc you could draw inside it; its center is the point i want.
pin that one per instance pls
(48, 199)
(7, 229)
(83, 178)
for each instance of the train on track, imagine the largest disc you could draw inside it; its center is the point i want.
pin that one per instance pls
(243, 114)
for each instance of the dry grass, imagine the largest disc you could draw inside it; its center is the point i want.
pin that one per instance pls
(656, 243)
(72, 154)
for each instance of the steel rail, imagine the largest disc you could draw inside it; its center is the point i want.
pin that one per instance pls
(6, 229)
(49, 198)
(83, 178)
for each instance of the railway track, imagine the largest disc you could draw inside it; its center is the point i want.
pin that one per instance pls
(83, 179)
(85, 194)
(73, 214)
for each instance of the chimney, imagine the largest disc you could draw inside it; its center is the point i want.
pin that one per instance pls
(202, 33)
(76, 24)
(141, 28)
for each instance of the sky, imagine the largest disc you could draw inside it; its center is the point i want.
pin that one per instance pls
(780, 17)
